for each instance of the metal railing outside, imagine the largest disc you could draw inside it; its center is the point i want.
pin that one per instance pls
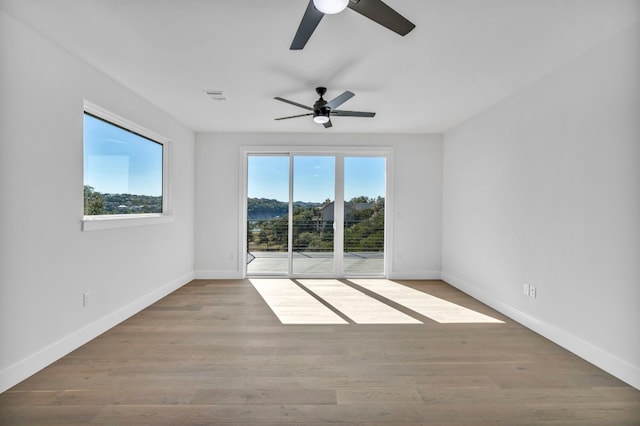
(314, 235)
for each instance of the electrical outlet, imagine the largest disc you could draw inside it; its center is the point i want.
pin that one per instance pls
(85, 299)
(532, 291)
(525, 289)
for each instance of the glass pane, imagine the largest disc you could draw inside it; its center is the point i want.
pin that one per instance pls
(313, 195)
(122, 170)
(364, 192)
(268, 215)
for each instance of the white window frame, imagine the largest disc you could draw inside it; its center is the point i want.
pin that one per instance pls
(112, 221)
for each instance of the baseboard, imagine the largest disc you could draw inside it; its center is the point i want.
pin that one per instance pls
(414, 275)
(236, 275)
(610, 363)
(218, 275)
(25, 368)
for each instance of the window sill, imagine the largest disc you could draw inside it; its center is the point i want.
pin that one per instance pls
(96, 223)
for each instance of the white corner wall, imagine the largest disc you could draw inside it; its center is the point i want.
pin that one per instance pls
(417, 197)
(544, 188)
(46, 261)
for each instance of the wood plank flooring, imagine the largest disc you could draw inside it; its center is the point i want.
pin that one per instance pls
(214, 353)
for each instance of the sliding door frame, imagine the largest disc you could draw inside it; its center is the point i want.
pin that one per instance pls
(340, 152)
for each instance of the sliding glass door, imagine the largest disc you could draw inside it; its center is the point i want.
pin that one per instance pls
(313, 221)
(364, 215)
(315, 215)
(268, 214)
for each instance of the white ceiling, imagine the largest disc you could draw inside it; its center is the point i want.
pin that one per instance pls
(462, 57)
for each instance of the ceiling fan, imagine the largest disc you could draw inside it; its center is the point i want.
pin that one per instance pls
(323, 110)
(376, 10)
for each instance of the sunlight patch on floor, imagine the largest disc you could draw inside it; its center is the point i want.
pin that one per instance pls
(356, 305)
(432, 307)
(292, 305)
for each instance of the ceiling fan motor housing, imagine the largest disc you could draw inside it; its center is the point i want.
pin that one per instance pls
(320, 108)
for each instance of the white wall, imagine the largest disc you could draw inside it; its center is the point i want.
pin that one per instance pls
(544, 188)
(417, 197)
(46, 261)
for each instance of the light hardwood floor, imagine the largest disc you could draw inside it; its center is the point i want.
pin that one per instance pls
(214, 353)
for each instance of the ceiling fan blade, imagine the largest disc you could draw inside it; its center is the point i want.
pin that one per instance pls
(293, 116)
(342, 113)
(278, 98)
(379, 12)
(336, 102)
(310, 21)
(327, 124)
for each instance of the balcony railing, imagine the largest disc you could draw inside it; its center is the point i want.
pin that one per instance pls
(315, 235)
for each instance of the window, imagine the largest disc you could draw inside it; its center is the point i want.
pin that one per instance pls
(124, 171)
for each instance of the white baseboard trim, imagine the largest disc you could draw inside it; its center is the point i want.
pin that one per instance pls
(25, 368)
(237, 275)
(218, 275)
(414, 275)
(599, 357)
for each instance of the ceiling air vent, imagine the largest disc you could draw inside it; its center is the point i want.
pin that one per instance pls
(216, 95)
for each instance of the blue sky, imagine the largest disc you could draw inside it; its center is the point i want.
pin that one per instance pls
(268, 177)
(117, 161)
(364, 176)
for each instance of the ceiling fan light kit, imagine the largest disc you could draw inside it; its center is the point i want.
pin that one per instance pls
(329, 7)
(321, 117)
